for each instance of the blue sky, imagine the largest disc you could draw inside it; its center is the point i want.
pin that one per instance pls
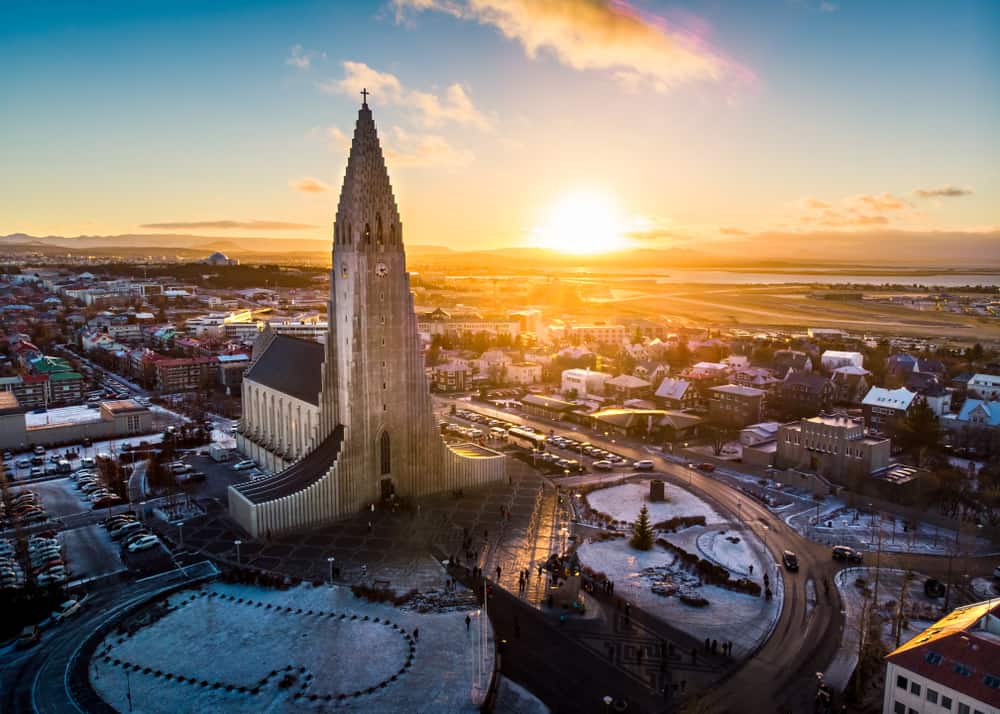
(750, 116)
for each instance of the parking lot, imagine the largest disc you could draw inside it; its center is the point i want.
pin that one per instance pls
(89, 552)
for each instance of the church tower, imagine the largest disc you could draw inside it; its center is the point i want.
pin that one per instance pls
(376, 434)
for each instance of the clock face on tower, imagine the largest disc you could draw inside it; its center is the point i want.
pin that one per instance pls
(381, 270)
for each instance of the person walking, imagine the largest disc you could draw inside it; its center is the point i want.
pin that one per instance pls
(416, 633)
(468, 623)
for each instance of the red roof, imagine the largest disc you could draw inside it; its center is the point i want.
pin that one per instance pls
(959, 651)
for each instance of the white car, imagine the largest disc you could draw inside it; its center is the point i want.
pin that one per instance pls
(123, 530)
(243, 465)
(67, 609)
(143, 543)
(603, 465)
(643, 465)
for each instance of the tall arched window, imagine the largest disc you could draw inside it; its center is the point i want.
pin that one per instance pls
(378, 229)
(385, 454)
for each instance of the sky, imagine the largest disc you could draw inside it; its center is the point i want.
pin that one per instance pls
(576, 125)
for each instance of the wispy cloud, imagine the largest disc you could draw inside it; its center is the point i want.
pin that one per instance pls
(636, 49)
(405, 149)
(943, 192)
(228, 225)
(878, 202)
(308, 184)
(301, 58)
(860, 210)
(828, 7)
(453, 105)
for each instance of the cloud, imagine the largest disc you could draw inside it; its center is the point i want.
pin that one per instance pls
(828, 7)
(227, 225)
(301, 58)
(880, 202)
(636, 49)
(339, 139)
(814, 203)
(309, 185)
(454, 105)
(405, 149)
(943, 192)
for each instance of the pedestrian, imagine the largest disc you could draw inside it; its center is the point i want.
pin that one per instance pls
(416, 633)
(373, 508)
(369, 526)
(751, 568)
(468, 623)
(498, 573)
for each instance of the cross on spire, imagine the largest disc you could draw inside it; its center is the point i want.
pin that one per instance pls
(364, 97)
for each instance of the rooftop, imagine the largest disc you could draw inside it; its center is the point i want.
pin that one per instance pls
(474, 451)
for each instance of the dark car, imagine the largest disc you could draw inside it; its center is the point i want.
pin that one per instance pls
(790, 560)
(845, 552)
(933, 588)
(706, 467)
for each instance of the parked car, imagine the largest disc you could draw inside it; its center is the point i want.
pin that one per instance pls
(23, 463)
(28, 637)
(706, 467)
(643, 465)
(790, 560)
(603, 465)
(144, 543)
(39, 450)
(124, 529)
(243, 465)
(107, 502)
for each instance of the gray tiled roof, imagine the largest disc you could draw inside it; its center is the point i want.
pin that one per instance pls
(290, 365)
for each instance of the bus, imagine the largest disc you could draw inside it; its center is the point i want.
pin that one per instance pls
(526, 439)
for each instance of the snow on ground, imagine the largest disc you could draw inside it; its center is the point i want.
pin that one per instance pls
(840, 524)
(728, 548)
(325, 634)
(623, 503)
(744, 619)
(922, 611)
(512, 698)
(985, 588)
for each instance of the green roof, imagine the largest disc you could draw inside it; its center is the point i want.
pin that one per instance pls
(62, 376)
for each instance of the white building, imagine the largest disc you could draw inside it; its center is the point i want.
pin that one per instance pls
(524, 373)
(952, 667)
(984, 386)
(584, 382)
(832, 359)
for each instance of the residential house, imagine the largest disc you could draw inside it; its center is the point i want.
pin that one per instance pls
(832, 359)
(651, 371)
(786, 361)
(583, 382)
(625, 386)
(735, 406)
(676, 394)
(851, 383)
(804, 394)
(451, 377)
(984, 386)
(885, 409)
(833, 446)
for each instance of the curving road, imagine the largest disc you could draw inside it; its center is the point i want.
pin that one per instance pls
(781, 675)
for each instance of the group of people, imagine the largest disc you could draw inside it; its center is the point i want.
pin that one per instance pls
(713, 647)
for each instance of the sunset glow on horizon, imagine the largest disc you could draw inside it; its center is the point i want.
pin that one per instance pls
(807, 118)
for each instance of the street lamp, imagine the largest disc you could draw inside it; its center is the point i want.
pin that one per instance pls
(180, 530)
(330, 560)
(607, 703)
(238, 543)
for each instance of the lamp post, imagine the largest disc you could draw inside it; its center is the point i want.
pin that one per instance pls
(180, 530)
(330, 560)
(607, 703)
(238, 543)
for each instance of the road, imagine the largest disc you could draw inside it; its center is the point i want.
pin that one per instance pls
(806, 637)
(37, 680)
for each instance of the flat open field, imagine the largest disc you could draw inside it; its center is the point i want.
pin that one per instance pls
(790, 306)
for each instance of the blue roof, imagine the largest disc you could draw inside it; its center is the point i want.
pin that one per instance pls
(992, 410)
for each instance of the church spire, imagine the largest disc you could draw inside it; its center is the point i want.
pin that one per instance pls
(366, 212)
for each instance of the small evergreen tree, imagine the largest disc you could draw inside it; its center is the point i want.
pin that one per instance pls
(642, 531)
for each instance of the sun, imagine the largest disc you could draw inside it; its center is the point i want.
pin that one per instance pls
(582, 222)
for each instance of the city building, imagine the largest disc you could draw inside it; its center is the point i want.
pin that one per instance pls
(441, 322)
(851, 383)
(523, 373)
(597, 333)
(21, 430)
(451, 377)
(231, 371)
(833, 446)
(832, 359)
(183, 374)
(952, 667)
(786, 361)
(735, 406)
(350, 422)
(583, 382)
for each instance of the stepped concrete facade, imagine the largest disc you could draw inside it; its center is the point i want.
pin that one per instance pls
(350, 422)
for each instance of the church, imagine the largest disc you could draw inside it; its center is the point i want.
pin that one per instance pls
(349, 422)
